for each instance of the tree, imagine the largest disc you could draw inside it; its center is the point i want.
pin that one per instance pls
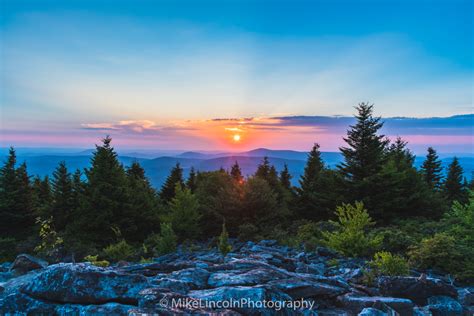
(431, 169)
(168, 190)
(364, 158)
(285, 178)
(16, 200)
(191, 182)
(236, 173)
(454, 188)
(104, 202)
(317, 194)
(263, 169)
(63, 199)
(142, 216)
(42, 195)
(223, 242)
(184, 214)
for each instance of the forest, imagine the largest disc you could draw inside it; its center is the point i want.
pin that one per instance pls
(375, 204)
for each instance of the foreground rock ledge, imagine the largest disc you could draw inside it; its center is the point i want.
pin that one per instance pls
(252, 273)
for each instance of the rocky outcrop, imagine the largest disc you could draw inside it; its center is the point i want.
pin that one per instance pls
(203, 282)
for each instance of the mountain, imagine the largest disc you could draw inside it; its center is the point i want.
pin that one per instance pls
(157, 169)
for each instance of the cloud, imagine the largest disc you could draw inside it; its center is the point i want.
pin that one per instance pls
(135, 127)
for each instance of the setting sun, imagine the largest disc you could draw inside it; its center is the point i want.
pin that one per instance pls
(236, 137)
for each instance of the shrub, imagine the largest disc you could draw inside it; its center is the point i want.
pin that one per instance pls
(118, 251)
(351, 238)
(445, 254)
(223, 242)
(395, 240)
(309, 235)
(99, 263)
(50, 242)
(163, 243)
(248, 232)
(385, 263)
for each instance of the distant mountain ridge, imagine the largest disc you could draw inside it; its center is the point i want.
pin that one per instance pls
(157, 169)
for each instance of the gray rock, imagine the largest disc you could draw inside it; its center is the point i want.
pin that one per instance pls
(24, 263)
(94, 310)
(5, 266)
(18, 303)
(238, 277)
(312, 268)
(300, 288)
(5, 276)
(84, 284)
(444, 306)
(196, 278)
(466, 296)
(357, 303)
(418, 290)
(369, 311)
(174, 285)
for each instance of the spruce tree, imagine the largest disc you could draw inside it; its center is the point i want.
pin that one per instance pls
(431, 169)
(364, 158)
(191, 182)
(236, 173)
(17, 215)
(63, 201)
(285, 178)
(317, 194)
(454, 188)
(168, 189)
(263, 169)
(43, 196)
(104, 202)
(142, 217)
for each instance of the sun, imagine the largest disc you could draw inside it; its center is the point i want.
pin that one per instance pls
(236, 137)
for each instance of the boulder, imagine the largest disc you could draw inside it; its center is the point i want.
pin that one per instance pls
(84, 284)
(238, 277)
(174, 285)
(444, 306)
(20, 304)
(369, 311)
(466, 296)
(416, 289)
(94, 310)
(301, 288)
(196, 278)
(312, 268)
(357, 303)
(24, 263)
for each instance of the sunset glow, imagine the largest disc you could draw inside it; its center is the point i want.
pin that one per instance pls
(236, 138)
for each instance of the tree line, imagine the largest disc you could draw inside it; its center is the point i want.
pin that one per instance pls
(106, 204)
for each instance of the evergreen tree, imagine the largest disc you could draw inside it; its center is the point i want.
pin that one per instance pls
(236, 173)
(191, 182)
(364, 158)
(454, 188)
(142, 217)
(184, 214)
(104, 202)
(317, 194)
(168, 189)
(43, 196)
(263, 169)
(63, 201)
(285, 178)
(431, 169)
(16, 200)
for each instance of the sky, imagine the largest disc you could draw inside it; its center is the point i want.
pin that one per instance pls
(192, 75)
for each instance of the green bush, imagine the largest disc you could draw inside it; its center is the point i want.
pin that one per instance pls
(119, 251)
(163, 243)
(445, 254)
(351, 238)
(223, 242)
(248, 232)
(395, 240)
(7, 249)
(99, 263)
(385, 263)
(310, 236)
(50, 242)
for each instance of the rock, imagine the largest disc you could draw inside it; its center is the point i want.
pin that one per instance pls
(20, 304)
(196, 278)
(174, 285)
(85, 284)
(252, 296)
(357, 303)
(300, 288)
(369, 311)
(312, 268)
(418, 290)
(5, 266)
(444, 306)
(5, 276)
(268, 243)
(24, 263)
(94, 310)
(238, 277)
(466, 296)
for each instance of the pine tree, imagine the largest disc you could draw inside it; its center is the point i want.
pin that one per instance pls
(431, 169)
(168, 189)
(236, 173)
(63, 201)
(285, 178)
(16, 200)
(364, 158)
(142, 217)
(104, 202)
(263, 169)
(454, 189)
(191, 182)
(43, 196)
(317, 194)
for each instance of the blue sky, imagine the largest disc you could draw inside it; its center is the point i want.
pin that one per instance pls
(66, 65)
